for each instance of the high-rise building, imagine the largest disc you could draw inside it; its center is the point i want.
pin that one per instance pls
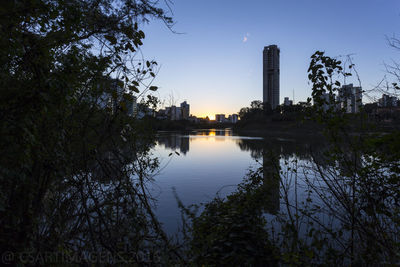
(131, 106)
(174, 113)
(350, 98)
(271, 75)
(185, 109)
(234, 118)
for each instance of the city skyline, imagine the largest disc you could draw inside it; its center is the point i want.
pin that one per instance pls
(216, 63)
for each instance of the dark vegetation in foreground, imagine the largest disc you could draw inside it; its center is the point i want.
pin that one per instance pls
(74, 175)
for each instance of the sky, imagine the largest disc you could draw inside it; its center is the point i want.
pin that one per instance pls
(214, 61)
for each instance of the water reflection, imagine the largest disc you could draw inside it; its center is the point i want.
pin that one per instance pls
(216, 151)
(303, 148)
(212, 160)
(271, 166)
(174, 142)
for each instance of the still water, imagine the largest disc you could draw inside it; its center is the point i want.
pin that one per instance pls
(210, 162)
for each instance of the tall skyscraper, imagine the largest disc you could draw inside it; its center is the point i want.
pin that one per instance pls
(271, 75)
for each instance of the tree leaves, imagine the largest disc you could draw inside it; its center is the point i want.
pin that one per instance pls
(134, 88)
(64, 123)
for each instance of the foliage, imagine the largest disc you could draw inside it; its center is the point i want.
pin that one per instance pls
(232, 231)
(256, 111)
(74, 169)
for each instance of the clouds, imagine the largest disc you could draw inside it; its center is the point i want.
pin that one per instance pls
(246, 37)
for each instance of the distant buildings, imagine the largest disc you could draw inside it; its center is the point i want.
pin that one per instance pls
(175, 113)
(387, 101)
(386, 109)
(182, 112)
(287, 102)
(144, 111)
(116, 99)
(131, 106)
(233, 118)
(271, 75)
(329, 102)
(303, 104)
(350, 98)
(161, 114)
(185, 110)
(193, 119)
(220, 118)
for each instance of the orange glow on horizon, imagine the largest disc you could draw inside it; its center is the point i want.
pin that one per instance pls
(211, 117)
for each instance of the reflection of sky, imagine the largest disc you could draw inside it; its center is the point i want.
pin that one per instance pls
(211, 163)
(213, 160)
(218, 163)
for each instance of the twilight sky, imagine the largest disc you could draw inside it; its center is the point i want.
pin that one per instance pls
(216, 64)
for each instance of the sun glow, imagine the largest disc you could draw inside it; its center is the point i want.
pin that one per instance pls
(211, 117)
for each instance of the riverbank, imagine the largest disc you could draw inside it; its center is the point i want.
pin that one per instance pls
(285, 128)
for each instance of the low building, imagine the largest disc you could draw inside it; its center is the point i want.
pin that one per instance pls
(304, 104)
(387, 101)
(234, 118)
(144, 111)
(193, 119)
(116, 99)
(162, 114)
(287, 102)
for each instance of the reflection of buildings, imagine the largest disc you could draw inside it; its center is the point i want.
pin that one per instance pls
(181, 142)
(272, 151)
(302, 148)
(220, 132)
(271, 182)
(174, 142)
(349, 162)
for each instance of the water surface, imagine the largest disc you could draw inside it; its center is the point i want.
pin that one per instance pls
(213, 162)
